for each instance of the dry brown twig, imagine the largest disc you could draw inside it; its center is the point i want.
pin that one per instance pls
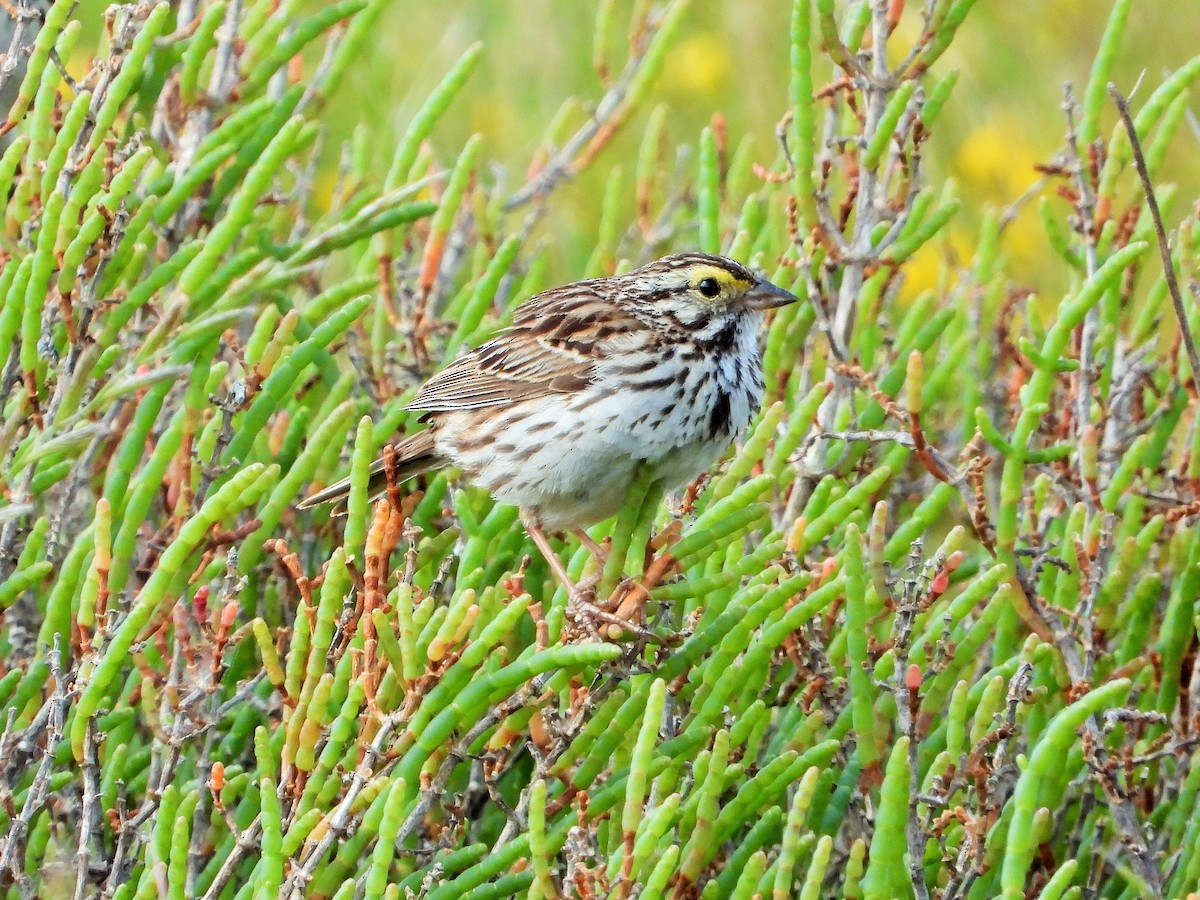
(1164, 244)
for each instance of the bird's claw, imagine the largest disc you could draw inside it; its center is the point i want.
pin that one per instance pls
(599, 622)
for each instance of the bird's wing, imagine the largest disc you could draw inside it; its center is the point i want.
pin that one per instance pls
(552, 347)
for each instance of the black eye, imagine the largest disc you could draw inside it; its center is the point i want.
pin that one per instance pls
(709, 287)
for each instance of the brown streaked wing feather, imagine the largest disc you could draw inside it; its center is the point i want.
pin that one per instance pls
(552, 347)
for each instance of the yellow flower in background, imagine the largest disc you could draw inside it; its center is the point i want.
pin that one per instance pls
(927, 268)
(698, 66)
(940, 260)
(994, 164)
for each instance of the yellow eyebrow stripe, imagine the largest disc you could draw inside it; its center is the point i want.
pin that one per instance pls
(724, 277)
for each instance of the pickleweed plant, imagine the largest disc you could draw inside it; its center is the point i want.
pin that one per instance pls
(928, 630)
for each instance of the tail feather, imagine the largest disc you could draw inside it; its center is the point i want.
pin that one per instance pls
(414, 455)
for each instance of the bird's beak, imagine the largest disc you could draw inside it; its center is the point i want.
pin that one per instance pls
(766, 295)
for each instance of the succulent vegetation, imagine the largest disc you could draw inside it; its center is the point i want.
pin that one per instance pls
(930, 630)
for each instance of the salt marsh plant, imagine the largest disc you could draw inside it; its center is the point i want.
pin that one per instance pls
(929, 631)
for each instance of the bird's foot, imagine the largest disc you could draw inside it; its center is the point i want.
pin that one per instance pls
(592, 619)
(584, 615)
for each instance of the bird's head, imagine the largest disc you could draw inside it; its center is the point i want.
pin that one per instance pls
(698, 290)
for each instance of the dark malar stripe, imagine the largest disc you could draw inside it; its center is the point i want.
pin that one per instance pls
(723, 341)
(721, 416)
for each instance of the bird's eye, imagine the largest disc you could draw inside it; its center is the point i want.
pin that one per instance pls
(709, 287)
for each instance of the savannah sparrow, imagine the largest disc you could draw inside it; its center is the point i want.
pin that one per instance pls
(659, 366)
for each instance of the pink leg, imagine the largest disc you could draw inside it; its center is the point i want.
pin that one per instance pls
(577, 599)
(597, 550)
(534, 529)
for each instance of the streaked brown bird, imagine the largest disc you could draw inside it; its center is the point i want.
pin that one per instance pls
(555, 415)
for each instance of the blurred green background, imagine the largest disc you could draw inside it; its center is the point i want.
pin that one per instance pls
(1005, 115)
(1014, 57)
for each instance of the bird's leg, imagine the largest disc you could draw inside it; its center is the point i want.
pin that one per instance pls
(534, 529)
(599, 551)
(579, 600)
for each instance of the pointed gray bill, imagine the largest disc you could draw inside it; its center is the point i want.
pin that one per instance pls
(766, 295)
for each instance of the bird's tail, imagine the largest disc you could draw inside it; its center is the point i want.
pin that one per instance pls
(414, 455)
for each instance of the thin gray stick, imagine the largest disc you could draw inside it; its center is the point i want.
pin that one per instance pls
(93, 815)
(1164, 246)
